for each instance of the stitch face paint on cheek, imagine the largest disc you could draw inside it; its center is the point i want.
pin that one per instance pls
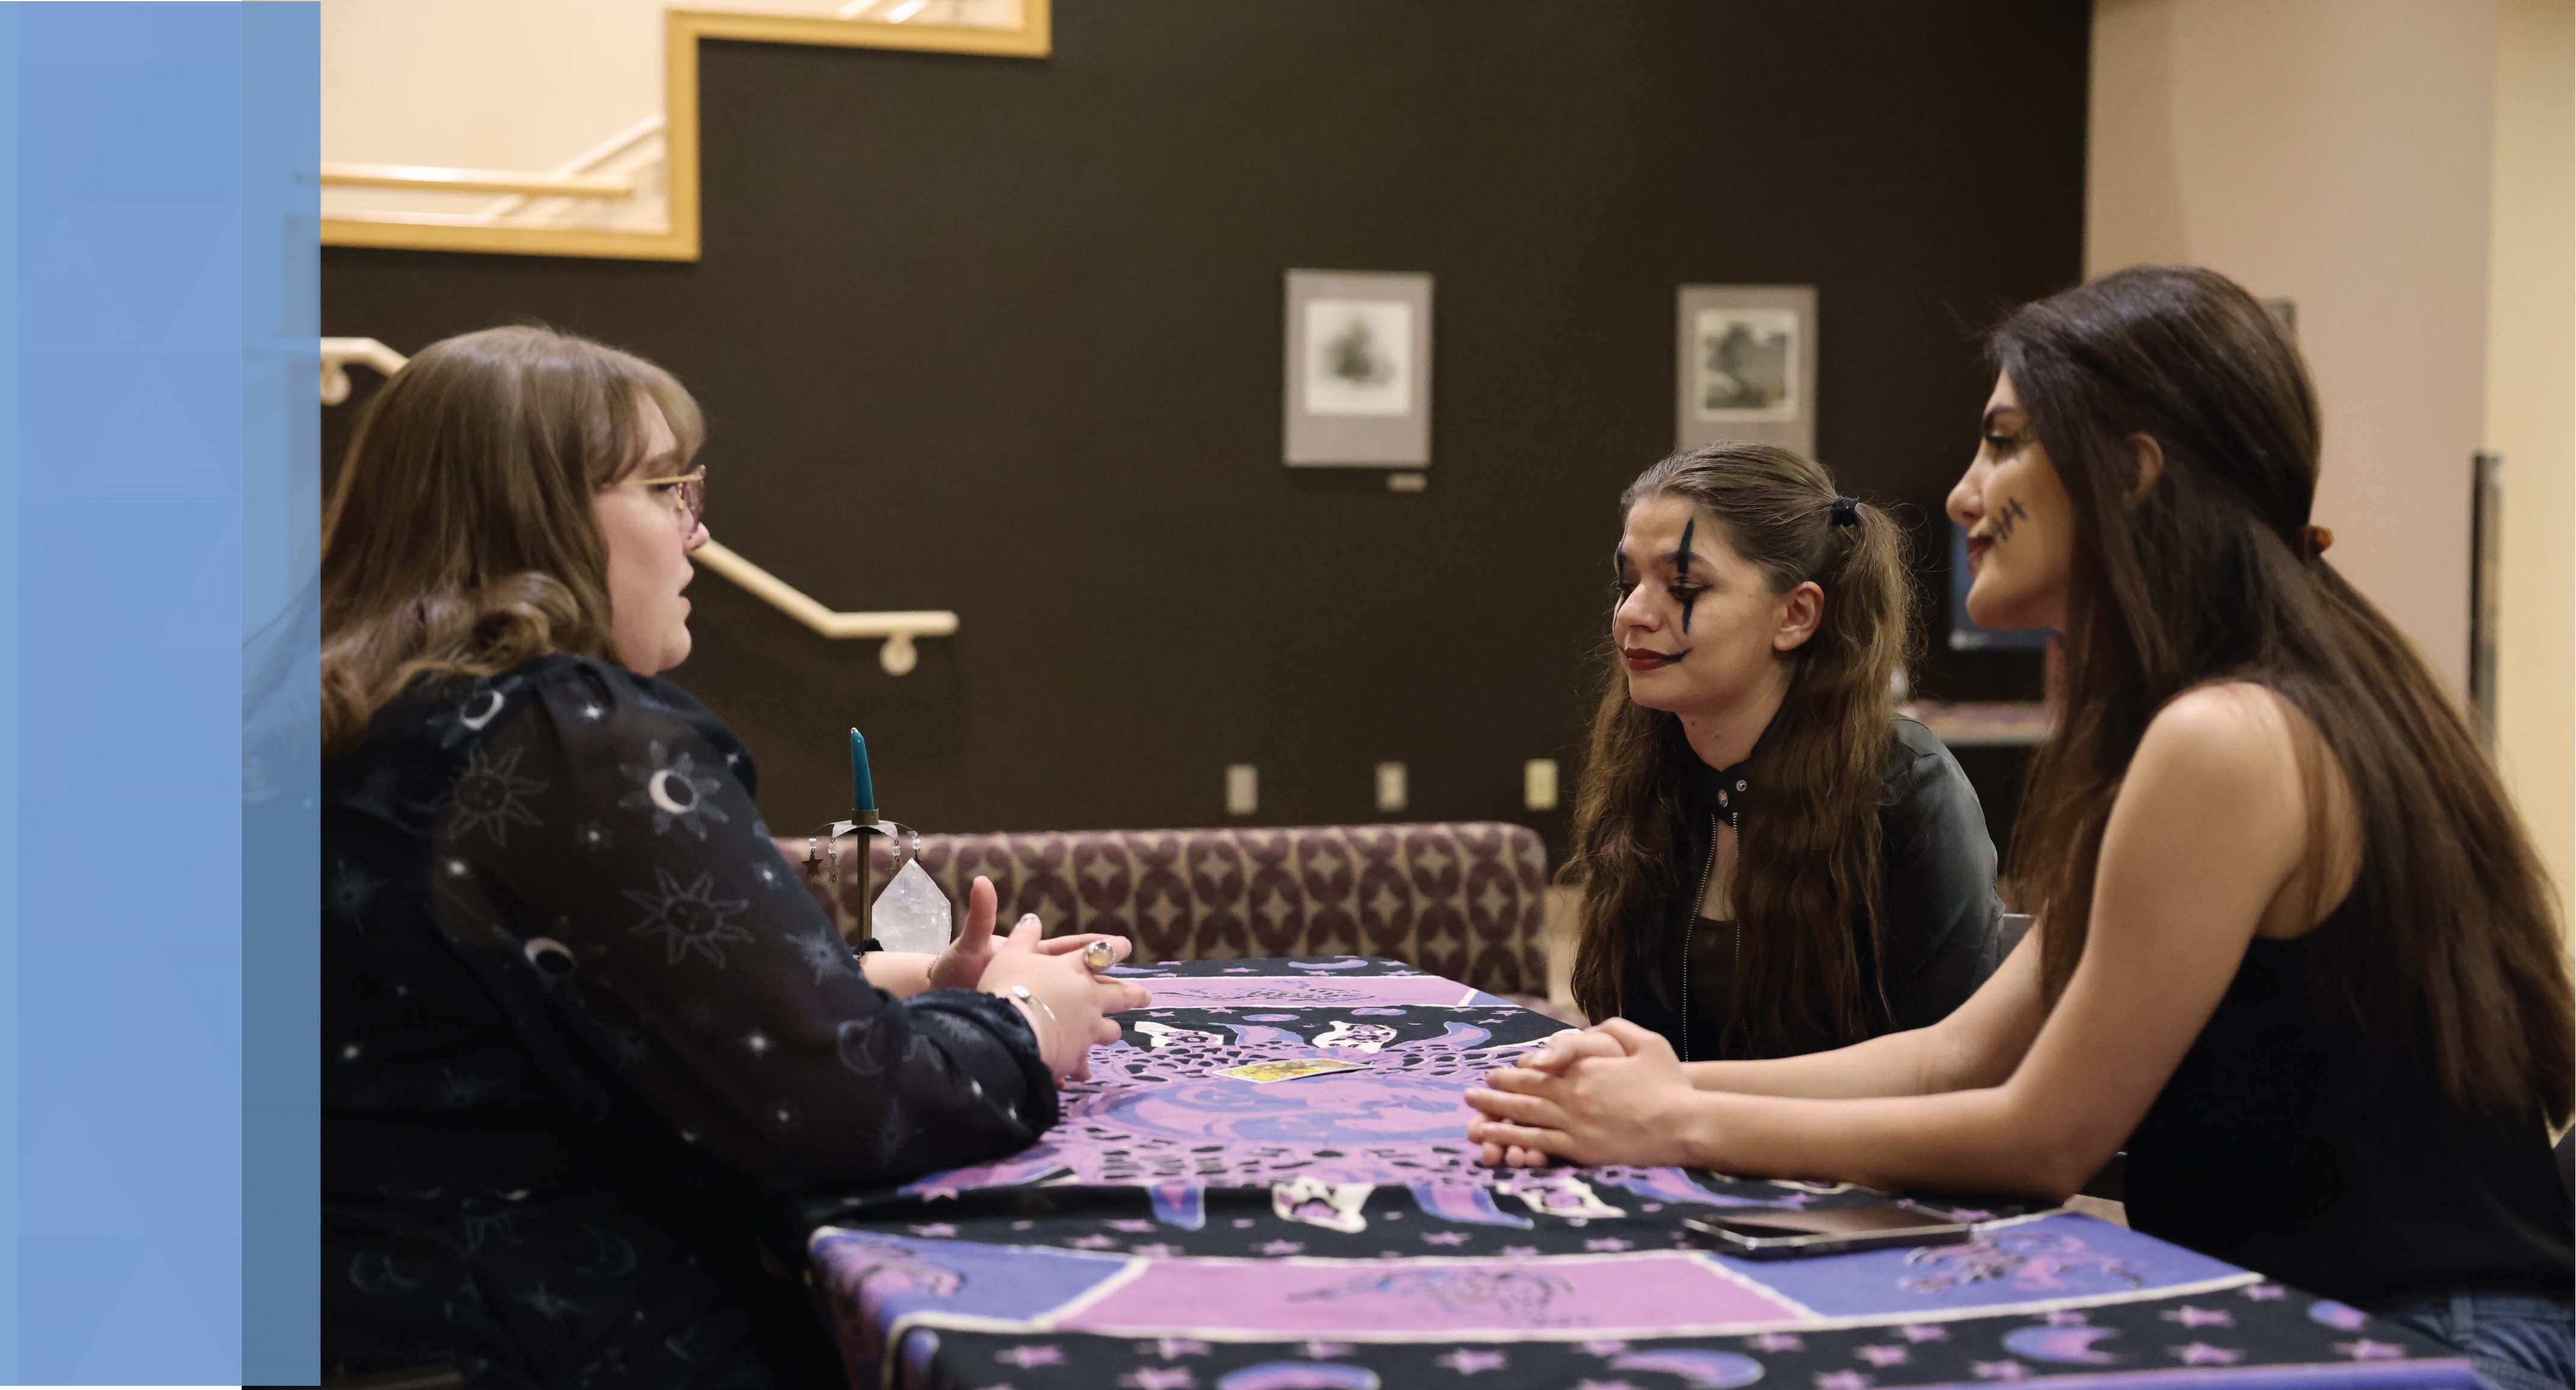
(2009, 515)
(1681, 570)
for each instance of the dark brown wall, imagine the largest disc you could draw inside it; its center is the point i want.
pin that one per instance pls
(1004, 337)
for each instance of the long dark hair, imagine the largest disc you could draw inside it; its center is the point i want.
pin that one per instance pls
(462, 538)
(2452, 953)
(1808, 865)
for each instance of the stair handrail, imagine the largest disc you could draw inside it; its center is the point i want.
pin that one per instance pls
(434, 178)
(586, 162)
(338, 353)
(898, 656)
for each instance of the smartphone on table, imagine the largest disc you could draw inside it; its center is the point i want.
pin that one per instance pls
(1777, 1233)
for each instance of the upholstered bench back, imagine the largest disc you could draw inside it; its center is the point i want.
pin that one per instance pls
(1465, 900)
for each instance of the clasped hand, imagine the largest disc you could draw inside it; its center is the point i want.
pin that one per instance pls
(1611, 1094)
(1069, 995)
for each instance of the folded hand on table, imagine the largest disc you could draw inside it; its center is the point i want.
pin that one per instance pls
(1611, 1094)
(962, 965)
(1064, 997)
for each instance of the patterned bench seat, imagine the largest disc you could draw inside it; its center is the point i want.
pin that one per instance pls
(1465, 899)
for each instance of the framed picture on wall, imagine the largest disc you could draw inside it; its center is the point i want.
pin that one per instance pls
(1358, 386)
(1745, 358)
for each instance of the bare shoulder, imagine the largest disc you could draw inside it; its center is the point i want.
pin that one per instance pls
(2221, 767)
(2225, 730)
(2222, 779)
(2220, 760)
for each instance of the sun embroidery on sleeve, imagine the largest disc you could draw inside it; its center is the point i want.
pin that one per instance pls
(487, 796)
(690, 919)
(673, 791)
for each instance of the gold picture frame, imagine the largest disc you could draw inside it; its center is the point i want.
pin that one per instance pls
(682, 29)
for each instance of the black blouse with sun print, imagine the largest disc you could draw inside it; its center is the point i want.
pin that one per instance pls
(581, 1025)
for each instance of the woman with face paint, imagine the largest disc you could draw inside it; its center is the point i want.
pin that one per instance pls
(2294, 949)
(1772, 862)
(583, 1032)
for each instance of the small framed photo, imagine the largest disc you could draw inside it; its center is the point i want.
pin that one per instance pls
(1358, 388)
(1746, 365)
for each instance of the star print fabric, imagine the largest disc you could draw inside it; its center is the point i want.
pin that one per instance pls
(1180, 1230)
(582, 1026)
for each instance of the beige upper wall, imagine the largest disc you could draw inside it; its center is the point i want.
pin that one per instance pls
(2403, 171)
(486, 84)
(525, 84)
(532, 86)
(2334, 152)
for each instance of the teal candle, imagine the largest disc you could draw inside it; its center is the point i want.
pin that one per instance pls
(863, 789)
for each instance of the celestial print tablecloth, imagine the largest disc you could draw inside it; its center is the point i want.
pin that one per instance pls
(1180, 1230)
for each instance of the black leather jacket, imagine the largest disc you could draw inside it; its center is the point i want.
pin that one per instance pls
(1941, 916)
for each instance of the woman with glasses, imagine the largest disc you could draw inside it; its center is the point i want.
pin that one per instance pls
(581, 1026)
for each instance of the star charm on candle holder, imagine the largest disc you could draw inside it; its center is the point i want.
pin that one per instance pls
(912, 914)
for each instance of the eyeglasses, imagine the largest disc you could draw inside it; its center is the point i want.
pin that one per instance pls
(689, 490)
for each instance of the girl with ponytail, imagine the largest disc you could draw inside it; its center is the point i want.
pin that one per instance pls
(2294, 949)
(1771, 861)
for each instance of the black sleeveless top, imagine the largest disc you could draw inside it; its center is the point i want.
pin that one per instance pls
(2291, 1143)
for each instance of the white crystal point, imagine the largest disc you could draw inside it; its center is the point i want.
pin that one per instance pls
(912, 914)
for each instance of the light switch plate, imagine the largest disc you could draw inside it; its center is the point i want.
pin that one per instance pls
(1390, 787)
(1242, 789)
(1538, 784)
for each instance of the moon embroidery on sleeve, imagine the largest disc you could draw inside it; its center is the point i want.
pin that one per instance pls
(613, 1258)
(673, 791)
(857, 1045)
(373, 1271)
(691, 920)
(488, 795)
(549, 956)
(481, 709)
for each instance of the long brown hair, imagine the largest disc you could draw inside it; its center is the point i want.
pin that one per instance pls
(1808, 864)
(2451, 952)
(462, 538)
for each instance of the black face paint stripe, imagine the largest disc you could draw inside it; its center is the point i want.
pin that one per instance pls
(1681, 568)
(2009, 515)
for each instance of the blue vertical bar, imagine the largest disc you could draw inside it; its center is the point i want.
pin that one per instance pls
(281, 735)
(130, 429)
(10, 479)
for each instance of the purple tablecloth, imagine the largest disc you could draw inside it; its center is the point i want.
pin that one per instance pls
(1180, 1230)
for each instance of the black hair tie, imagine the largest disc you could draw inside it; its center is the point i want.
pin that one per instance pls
(1846, 511)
